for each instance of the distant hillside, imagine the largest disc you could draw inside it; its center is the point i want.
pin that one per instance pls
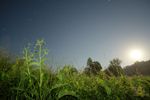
(140, 68)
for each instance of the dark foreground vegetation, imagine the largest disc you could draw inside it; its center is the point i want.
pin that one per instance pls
(29, 78)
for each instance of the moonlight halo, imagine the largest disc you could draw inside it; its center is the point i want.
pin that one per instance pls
(136, 54)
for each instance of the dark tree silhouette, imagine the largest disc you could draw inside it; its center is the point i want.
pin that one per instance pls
(93, 67)
(115, 68)
(89, 61)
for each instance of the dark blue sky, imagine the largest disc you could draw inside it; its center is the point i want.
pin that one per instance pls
(77, 29)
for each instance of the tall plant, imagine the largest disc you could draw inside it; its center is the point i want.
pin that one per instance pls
(40, 57)
(33, 73)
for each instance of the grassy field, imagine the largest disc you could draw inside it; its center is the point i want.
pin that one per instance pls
(29, 78)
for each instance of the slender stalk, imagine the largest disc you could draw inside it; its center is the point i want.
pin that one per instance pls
(40, 61)
(39, 48)
(27, 59)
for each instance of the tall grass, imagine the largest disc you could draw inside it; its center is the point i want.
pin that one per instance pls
(30, 78)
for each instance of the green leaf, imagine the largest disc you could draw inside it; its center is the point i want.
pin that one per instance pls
(34, 64)
(66, 92)
(108, 90)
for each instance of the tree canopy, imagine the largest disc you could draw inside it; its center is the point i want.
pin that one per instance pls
(93, 67)
(115, 67)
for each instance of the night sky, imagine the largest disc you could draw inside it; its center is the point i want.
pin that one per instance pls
(77, 29)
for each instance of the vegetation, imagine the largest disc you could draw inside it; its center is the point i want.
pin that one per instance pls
(115, 68)
(93, 67)
(30, 78)
(138, 68)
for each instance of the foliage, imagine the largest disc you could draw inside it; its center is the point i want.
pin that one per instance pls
(30, 78)
(138, 68)
(93, 67)
(115, 68)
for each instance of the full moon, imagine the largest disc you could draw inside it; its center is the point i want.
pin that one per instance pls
(136, 54)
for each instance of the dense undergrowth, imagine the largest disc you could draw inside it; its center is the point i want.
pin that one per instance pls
(29, 78)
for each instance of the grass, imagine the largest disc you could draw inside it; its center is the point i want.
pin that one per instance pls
(30, 78)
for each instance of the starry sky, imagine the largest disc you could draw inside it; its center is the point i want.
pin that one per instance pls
(77, 29)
